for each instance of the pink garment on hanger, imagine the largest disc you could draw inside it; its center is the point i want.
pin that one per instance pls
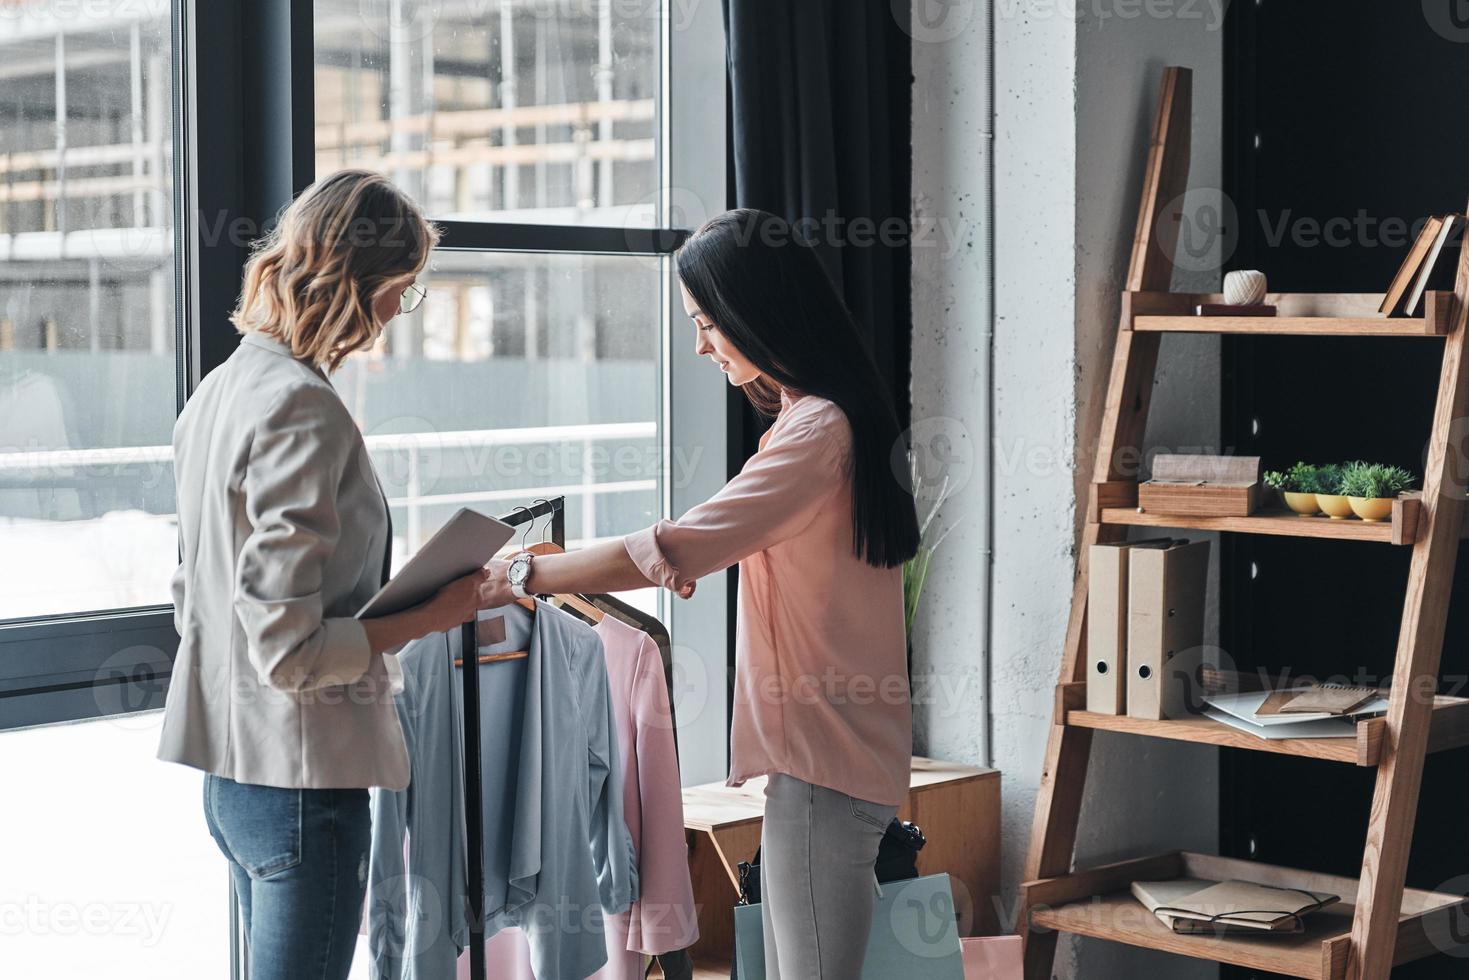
(663, 918)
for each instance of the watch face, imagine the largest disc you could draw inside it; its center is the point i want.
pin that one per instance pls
(519, 570)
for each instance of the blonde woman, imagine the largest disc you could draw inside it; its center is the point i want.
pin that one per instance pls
(278, 694)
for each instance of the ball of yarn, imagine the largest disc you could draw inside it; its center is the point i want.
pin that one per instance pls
(1244, 288)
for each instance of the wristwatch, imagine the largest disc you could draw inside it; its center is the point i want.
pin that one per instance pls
(519, 574)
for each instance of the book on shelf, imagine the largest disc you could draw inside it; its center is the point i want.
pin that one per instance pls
(1435, 273)
(1326, 728)
(1330, 699)
(1274, 702)
(1251, 713)
(1403, 280)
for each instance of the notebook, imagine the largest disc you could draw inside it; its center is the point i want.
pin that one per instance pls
(1276, 701)
(1159, 894)
(1330, 699)
(1254, 707)
(1232, 905)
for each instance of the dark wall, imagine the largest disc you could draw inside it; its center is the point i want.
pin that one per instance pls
(1359, 137)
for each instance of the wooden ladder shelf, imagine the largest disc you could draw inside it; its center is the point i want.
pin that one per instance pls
(1379, 923)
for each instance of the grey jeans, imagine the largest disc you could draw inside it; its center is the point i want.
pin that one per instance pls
(817, 850)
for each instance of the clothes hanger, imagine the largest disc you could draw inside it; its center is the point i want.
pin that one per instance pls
(580, 604)
(611, 605)
(571, 599)
(491, 658)
(654, 628)
(530, 525)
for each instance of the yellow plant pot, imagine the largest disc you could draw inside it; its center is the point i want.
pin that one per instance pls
(1302, 503)
(1372, 508)
(1335, 505)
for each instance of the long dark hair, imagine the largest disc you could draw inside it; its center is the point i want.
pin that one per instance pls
(765, 289)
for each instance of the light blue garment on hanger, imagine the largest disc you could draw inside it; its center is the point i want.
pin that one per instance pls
(557, 852)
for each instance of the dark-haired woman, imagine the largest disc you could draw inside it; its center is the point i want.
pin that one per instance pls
(820, 522)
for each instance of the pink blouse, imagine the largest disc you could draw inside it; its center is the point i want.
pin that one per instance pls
(821, 680)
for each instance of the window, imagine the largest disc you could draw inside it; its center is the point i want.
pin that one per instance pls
(87, 314)
(523, 374)
(144, 143)
(520, 376)
(496, 110)
(109, 870)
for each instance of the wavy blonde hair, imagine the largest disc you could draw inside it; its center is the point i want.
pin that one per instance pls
(311, 281)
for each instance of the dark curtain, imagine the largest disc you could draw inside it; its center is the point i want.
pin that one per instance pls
(820, 123)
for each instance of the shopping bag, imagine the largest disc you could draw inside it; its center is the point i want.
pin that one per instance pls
(913, 935)
(992, 958)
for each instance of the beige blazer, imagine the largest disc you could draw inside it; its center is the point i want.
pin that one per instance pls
(283, 530)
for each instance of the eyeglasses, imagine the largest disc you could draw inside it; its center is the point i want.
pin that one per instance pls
(411, 298)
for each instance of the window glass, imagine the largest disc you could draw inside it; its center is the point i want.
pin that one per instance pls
(519, 376)
(496, 110)
(87, 366)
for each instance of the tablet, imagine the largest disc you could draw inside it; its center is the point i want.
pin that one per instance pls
(467, 541)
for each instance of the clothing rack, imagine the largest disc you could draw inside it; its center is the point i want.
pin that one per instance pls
(473, 777)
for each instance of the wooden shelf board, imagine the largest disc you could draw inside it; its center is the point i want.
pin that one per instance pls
(1097, 903)
(1210, 732)
(1269, 521)
(1119, 917)
(1297, 314)
(1286, 326)
(1448, 729)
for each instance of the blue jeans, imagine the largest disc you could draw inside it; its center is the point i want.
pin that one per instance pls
(298, 859)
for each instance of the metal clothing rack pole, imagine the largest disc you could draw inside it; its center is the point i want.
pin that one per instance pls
(473, 775)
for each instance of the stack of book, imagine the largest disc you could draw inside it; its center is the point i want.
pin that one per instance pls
(1416, 274)
(1193, 906)
(1316, 711)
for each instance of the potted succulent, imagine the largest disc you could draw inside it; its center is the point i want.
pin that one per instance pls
(1371, 487)
(1297, 486)
(1332, 501)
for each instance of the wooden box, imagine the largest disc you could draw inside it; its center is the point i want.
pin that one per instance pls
(956, 806)
(1202, 486)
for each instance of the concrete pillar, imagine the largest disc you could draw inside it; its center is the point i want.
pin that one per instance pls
(1074, 94)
